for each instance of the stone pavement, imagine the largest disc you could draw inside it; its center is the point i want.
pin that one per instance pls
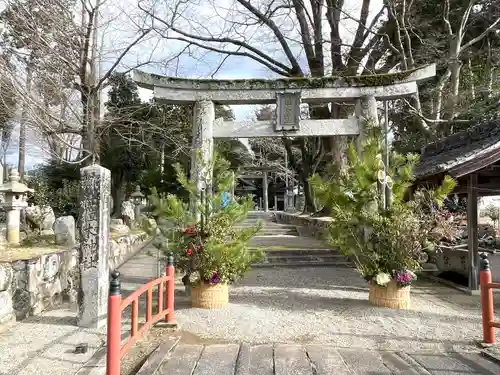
(45, 344)
(294, 359)
(269, 305)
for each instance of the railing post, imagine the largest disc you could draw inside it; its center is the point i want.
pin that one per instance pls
(114, 338)
(170, 289)
(486, 299)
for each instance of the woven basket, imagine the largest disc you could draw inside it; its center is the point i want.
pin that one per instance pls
(390, 296)
(206, 296)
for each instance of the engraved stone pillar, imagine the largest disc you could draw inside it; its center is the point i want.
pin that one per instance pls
(201, 157)
(366, 111)
(95, 218)
(265, 194)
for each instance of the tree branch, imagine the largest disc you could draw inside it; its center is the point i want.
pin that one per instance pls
(120, 58)
(192, 37)
(473, 41)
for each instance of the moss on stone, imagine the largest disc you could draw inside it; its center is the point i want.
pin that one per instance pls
(284, 83)
(45, 240)
(14, 253)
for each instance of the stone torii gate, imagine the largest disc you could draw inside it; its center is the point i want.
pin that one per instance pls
(287, 93)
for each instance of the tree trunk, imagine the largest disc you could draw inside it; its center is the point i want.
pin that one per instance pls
(5, 167)
(89, 121)
(2, 163)
(22, 125)
(118, 192)
(309, 205)
(455, 68)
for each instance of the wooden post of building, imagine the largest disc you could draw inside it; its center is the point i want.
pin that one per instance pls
(265, 193)
(472, 223)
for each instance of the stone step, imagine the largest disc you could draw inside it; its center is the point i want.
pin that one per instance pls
(299, 252)
(266, 226)
(277, 232)
(307, 264)
(271, 231)
(268, 233)
(296, 359)
(287, 241)
(263, 216)
(303, 258)
(290, 263)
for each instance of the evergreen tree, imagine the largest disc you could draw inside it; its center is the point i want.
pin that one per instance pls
(374, 223)
(134, 133)
(208, 245)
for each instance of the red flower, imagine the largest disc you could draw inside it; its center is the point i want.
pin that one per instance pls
(189, 252)
(190, 230)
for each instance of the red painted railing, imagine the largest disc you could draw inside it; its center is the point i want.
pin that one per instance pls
(165, 310)
(487, 308)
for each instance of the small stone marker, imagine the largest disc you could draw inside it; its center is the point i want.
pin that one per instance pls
(127, 212)
(64, 229)
(117, 226)
(42, 216)
(81, 348)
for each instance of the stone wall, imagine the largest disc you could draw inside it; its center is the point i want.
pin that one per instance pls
(30, 286)
(449, 259)
(123, 247)
(307, 226)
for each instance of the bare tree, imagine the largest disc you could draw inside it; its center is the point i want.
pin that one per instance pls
(74, 47)
(463, 28)
(290, 38)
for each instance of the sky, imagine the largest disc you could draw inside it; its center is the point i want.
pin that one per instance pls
(200, 64)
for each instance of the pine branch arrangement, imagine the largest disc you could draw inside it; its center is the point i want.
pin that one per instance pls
(208, 245)
(375, 223)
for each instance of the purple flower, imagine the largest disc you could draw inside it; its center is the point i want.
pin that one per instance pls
(403, 278)
(215, 279)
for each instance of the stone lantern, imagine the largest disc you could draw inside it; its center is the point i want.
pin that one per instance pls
(137, 198)
(14, 201)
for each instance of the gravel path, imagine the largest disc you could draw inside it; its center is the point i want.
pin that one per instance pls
(329, 305)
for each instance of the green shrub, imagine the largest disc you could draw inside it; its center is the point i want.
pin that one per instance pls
(384, 241)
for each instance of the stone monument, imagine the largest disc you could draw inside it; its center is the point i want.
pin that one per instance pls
(95, 216)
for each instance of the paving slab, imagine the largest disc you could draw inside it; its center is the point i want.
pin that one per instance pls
(291, 359)
(441, 364)
(255, 360)
(364, 362)
(316, 359)
(327, 360)
(217, 360)
(400, 363)
(477, 362)
(182, 361)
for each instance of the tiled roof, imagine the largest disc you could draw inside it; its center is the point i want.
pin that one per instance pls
(458, 149)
